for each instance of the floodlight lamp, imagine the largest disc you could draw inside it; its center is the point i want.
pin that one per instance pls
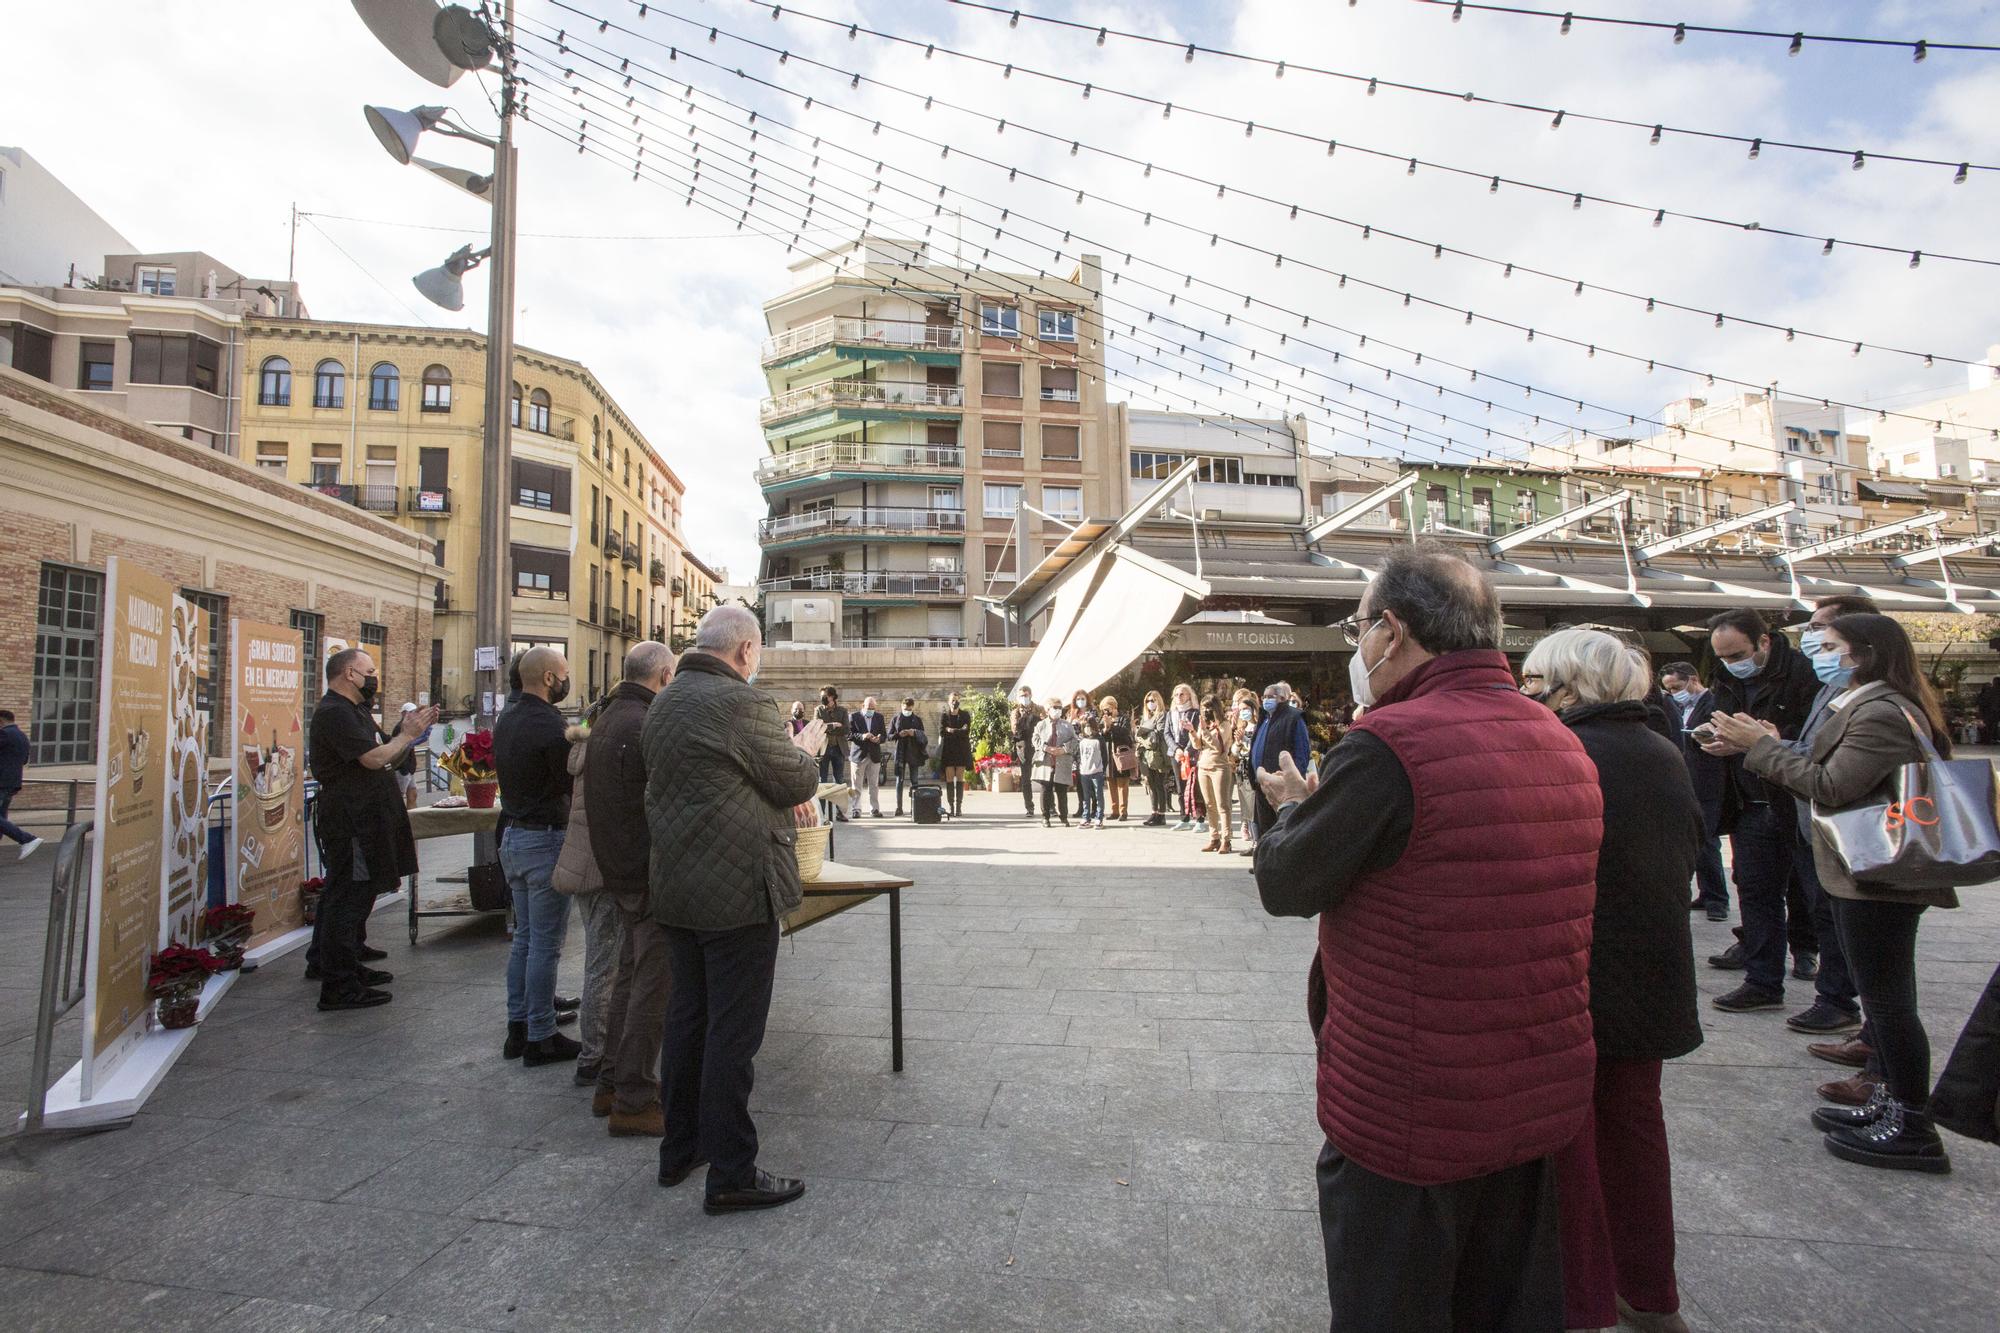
(443, 285)
(398, 131)
(478, 186)
(413, 32)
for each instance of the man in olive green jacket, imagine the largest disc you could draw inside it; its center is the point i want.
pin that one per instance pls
(722, 780)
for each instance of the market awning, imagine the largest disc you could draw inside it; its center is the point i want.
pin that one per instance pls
(1127, 600)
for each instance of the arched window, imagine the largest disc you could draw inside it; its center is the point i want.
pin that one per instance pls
(514, 408)
(274, 383)
(538, 411)
(437, 389)
(330, 385)
(595, 432)
(384, 388)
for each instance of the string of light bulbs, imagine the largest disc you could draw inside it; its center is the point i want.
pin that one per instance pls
(1632, 418)
(1203, 335)
(1650, 302)
(1656, 129)
(1160, 395)
(1920, 47)
(1332, 144)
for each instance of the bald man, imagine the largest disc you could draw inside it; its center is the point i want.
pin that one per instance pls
(532, 756)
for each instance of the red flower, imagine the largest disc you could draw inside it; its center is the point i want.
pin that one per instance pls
(478, 746)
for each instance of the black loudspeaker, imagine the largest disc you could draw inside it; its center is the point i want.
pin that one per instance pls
(927, 806)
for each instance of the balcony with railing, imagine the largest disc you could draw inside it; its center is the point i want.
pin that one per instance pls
(867, 395)
(630, 556)
(656, 573)
(847, 331)
(614, 545)
(376, 499)
(845, 521)
(781, 638)
(872, 583)
(854, 458)
(422, 502)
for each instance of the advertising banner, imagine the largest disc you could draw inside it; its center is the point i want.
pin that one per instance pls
(184, 860)
(268, 856)
(131, 797)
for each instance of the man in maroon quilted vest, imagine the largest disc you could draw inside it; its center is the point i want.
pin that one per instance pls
(1448, 846)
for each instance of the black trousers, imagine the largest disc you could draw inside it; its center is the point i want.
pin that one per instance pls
(344, 905)
(1024, 764)
(1880, 941)
(1834, 984)
(1055, 801)
(1156, 789)
(1474, 1256)
(715, 1023)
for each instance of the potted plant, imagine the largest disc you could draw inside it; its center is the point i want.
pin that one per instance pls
(227, 930)
(309, 892)
(175, 978)
(471, 762)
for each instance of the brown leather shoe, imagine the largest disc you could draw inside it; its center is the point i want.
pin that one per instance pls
(1849, 1091)
(1650, 1323)
(1853, 1052)
(649, 1123)
(600, 1102)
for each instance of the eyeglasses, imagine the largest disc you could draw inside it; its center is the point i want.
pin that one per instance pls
(1354, 627)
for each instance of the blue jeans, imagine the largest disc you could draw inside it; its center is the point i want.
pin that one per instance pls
(832, 768)
(541, 915)
(9, 829)
(1090, 796)
(1762, 843)
(1708, 874)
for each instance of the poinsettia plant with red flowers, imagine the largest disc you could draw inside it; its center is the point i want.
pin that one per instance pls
(228, 919)
(471, 760)
(178, 968)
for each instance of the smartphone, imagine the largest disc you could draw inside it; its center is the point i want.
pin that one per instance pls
(1705, 733)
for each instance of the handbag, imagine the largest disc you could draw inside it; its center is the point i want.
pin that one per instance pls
(1938, 827)
(486, 883)
(1127, 760)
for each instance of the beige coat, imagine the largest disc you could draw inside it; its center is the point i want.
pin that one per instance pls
(1864, 741)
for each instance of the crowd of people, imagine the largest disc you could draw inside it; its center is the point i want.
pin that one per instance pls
(1500, 867)
(1195, 759)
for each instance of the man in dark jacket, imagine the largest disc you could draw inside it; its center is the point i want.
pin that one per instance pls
(1026, 716)
(614, 776)
(531, 756)
(912, 749)
(868, 731)
(833, 759)
(1283, 731)
(1764, 676)
(363, 830)
(1449, 992)
(723, 779)
(13, 767)
(1693, 705)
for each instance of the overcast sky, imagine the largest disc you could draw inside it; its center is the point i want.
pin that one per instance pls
(198, 124)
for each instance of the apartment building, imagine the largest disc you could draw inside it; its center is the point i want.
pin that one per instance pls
(1955, 437)
(1251, 470)
(157, 338)
(389, 419)
(932, 430)
(48, 236)
(1804, 444)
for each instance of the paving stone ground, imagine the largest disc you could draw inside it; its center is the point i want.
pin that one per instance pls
(1105, 1123)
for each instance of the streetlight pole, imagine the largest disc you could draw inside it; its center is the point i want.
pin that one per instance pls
(492, 598)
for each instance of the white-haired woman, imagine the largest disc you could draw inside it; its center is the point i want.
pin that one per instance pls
(1614, 1184)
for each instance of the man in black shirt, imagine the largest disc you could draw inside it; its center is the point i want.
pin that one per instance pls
(531, 755)
(1026, 715)
(363, 829)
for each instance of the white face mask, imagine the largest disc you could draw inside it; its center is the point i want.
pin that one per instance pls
(1358, 682)
(1810, 641)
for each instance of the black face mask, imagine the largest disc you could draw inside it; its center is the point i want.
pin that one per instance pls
(369, 685)
(559, 691)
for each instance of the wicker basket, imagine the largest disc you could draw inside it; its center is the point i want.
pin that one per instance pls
(812, 852)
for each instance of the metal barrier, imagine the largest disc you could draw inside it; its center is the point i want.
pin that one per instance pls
(65, 960)
(73, 784)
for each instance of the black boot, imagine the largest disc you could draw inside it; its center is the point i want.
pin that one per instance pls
(552, 1049)
(517, 1041)
(1899, 1139)
(1827, 1119)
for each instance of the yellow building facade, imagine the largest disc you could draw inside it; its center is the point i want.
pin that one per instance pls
(388, 418)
